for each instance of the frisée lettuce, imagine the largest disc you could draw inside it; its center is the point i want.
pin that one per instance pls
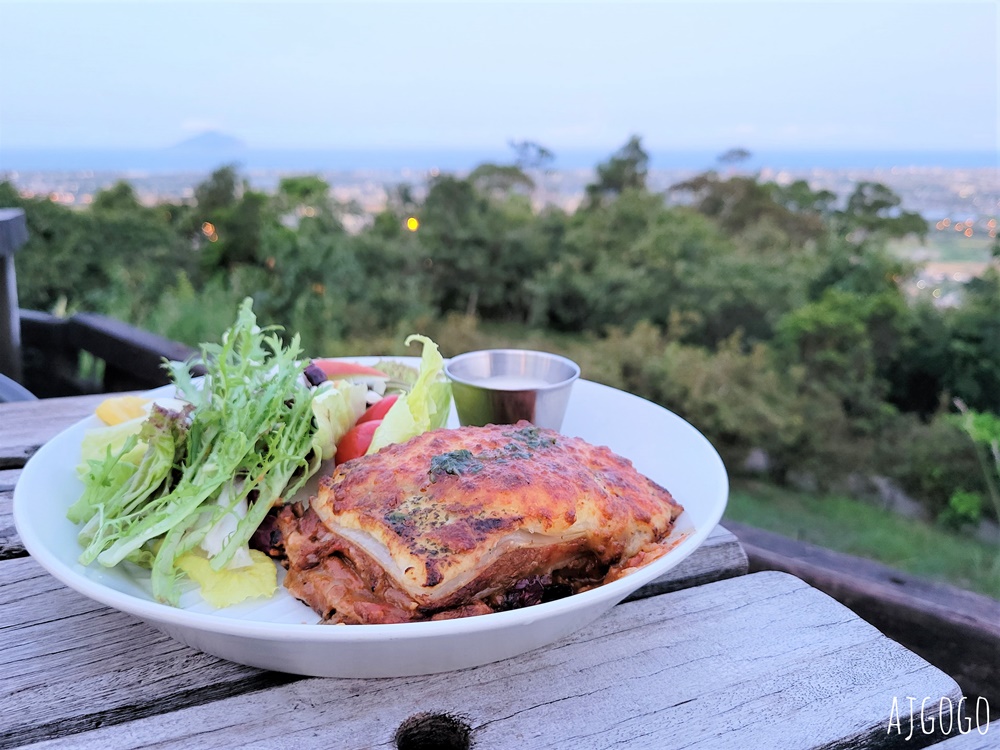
(182, 491)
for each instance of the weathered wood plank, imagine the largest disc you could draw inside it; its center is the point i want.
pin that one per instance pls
(720, 556)
(41, 610)
(10, 543)
(69, 664)
(759, 661)
(26, 425)
(956, 630)
(979, 738)
(8, 478)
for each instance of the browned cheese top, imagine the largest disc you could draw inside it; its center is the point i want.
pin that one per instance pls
(442, 501)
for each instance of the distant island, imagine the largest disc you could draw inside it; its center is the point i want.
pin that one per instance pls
(210, 141)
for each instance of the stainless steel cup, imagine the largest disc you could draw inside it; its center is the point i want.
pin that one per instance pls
(502, 386)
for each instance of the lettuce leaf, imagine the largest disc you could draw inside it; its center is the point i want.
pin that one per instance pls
(425, 407)
(98, 441)
(336, 407)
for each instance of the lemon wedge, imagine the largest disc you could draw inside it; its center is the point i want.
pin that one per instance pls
(118, 409)
(222, 588)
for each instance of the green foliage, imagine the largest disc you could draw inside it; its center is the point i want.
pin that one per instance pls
(477, 251)
(984, 431)
(740, 202)
(625, 170)
(531, 155)
(874, 208)
(859, 528)
(920, 368)
(303, 190)
(963, 508)
(798, 197)
(829, 337)
(84, 260)
(768, 317)
(218, 192)
(118, 197)
(500, 180)
(973, 367)
(929, 459)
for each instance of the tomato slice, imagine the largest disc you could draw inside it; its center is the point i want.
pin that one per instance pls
(355, 442)
(338, 368)
(379, 409)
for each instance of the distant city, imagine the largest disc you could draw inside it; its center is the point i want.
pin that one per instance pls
(967, 195)
(960, 201)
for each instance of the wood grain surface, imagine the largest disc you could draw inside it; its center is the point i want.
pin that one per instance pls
(979, 738)
(954, 629)
(69, 664)
(724, 665)
(26, 425)
(10, 544)
(55, 632)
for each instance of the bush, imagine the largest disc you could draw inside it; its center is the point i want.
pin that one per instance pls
(930, 460)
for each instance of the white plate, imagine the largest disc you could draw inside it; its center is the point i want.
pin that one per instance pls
(282, 634)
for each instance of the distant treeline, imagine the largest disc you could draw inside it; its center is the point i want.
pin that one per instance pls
(770, 316)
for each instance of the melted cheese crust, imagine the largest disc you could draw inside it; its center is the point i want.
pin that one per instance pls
(438, 510)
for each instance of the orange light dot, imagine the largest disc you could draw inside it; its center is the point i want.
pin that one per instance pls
(208, 228)
(946, 222)
(968, 232)
(412, 224)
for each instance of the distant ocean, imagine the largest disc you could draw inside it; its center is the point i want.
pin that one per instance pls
(184, 160)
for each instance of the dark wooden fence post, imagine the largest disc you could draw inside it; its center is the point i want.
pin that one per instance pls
(13, 234)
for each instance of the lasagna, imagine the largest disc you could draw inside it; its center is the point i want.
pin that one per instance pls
(468, 521)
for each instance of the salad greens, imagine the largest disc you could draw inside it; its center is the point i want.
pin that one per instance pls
(424, 408)
(201, 474)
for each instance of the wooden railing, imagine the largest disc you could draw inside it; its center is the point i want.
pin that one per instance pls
(13, 235)
(89, 353)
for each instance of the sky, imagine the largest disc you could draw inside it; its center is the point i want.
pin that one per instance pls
(711, 75)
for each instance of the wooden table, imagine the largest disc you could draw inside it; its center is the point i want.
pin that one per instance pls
(706, 657)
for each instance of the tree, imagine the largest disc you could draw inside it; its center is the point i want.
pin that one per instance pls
(625, 170)
(740, 202)
(303, 190)
(218, 191)
(118, 197)
(531, 155)
(973, 372)
(847, 341)
(227, 222)
(734, 156)
(874, 208)
(799, 197)
(479, 251)
(500, 180)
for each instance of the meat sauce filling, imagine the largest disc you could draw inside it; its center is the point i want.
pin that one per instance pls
(343, 585)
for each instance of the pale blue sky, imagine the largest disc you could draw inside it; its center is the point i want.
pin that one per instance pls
(341, 75)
